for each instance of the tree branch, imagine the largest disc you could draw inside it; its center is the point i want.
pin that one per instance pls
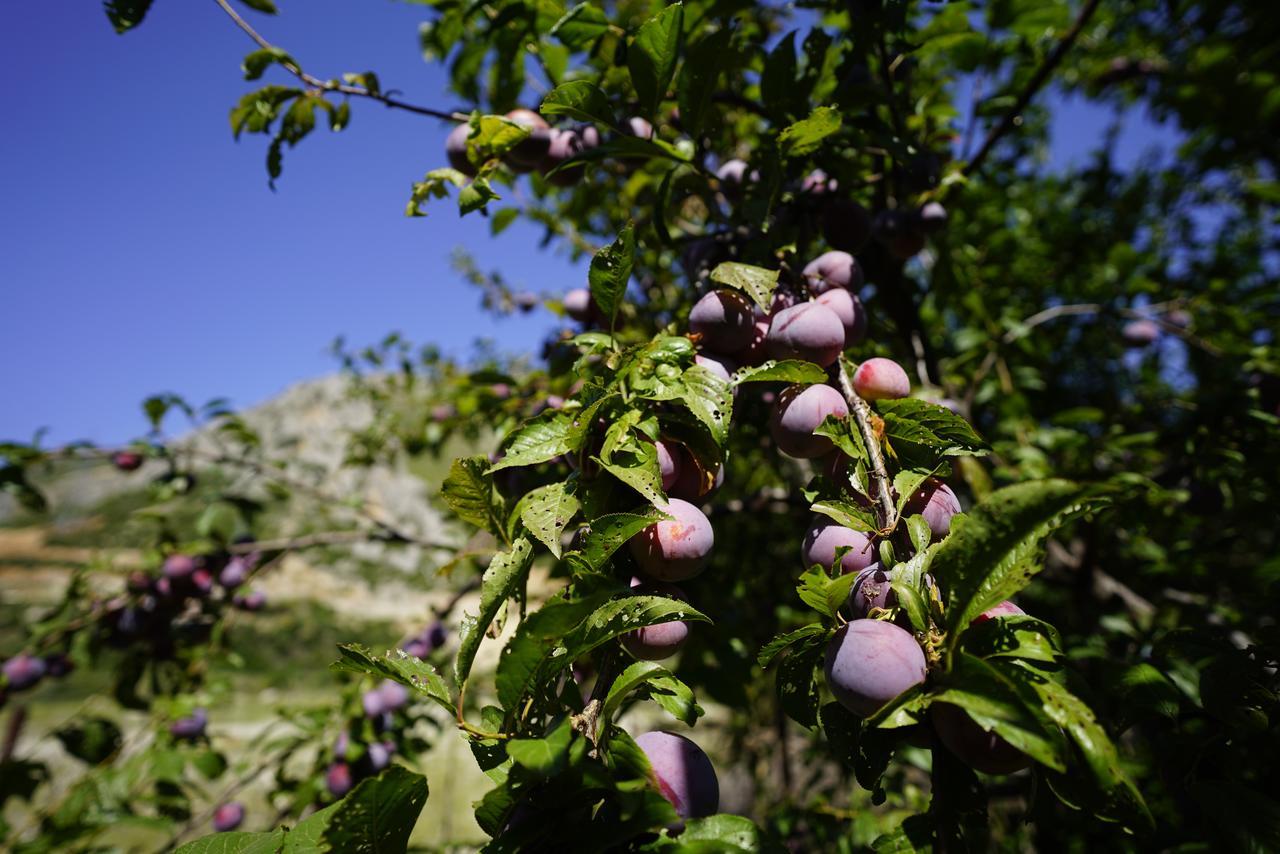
(1051, 62)
(862, 415)
(332, 85)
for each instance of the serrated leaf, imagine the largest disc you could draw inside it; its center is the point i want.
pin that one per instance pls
(847, 513)
(652, 55)
(797, 684)
(543, 756)
(611, 271)
(476, 195)
(723, 833)
(1013, 636)
(468, 490)
(580, 26)
(501, 580)
(676, 699)
(844, 434)
(807, 135)
(491, 137)
(266, 6)
(823, 593)
(607, 534)
(709, 399)
(786, 370)
(539, 439)
(924, 433)
(399, 666)
(92, 741)
(756, 282)
(634, 676)
(770, 651)
(632, 461)
(908, 582)
(547, 510)
(260, 60)
(377, 815)
(236, 842)
(581, 100)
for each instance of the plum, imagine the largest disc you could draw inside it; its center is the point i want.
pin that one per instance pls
(202, 581)
(684, 774)
(733, 174)
(253, 601)
(873, 588)
(935, 501)
(394, 695)
(341, 744)
(798, 412)
(696, 482)
(718, 365)
(781, 299)
(638, 127)
(757, 352)
(235, 573)
(807, 331)
(654, 643)
(852, 315)
(455, 148)
(668, 463)
(869, 662)
(337, 778)
(1140, 333)
(1179, 317)
(898, 232)
(825, 536)
(674, 549)
(881, 379)
(818, 183)
(834, 269)
(846, 225)
(24, 671)
(1004, 609)
(126, 460)
(228, 816)
(932, 217)
(178, 566)
(190, 727)
(564, 144)
(579, 305)
(530, 151)
(377, 757)
(724, 320)
(973, 745)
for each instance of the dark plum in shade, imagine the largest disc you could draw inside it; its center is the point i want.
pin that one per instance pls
(24, 671)
(869, 662)
(846, 225)
(974, 746)
(684, 774)
(798, 412)
(834, 269)
(724, 320)
(337, 779)
(455, 148)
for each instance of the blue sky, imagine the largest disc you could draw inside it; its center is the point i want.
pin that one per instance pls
(141, 250)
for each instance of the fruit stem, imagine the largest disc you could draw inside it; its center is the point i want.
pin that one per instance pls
(862, 415)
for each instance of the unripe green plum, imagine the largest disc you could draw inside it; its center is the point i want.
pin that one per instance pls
(935, 501)
(834, 269)
(881, 379)
(846, 225)
(684, 774)
(807, 331)
(526, 156)
(852, 315)
(724, 320)
(869, 662)
(654, 643)
(825, 536)
(798, 412)
(677, 548)
(972, 745)
(455, 148)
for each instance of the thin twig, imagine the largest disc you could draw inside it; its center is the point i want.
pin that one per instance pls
(862, 415)
(333, 85)
(1041, 76)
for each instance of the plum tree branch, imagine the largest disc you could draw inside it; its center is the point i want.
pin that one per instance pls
(333, 85)
(1037, 81)
(886, 509)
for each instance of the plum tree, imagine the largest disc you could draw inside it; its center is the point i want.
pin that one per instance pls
(974, 746)
(24, 671)
(529, 153)
(935, 501)
(677, 548)
(869, 662)
(848, 308)
(724, 320)
(834, 269)
(1140, 333)
(825, 536)
(235, 573)
(455, 149)
(564, 144)
(881, 379)
(799, 411)
(654, 643)
(684, 774)
(873, 588)
(846, 225)
(807, 331)
(228, 816)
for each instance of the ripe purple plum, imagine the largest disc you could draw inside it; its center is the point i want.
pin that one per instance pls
(337, 779)
(235, 573)
(341, 744)
(798, 412)
(566, 143)
(228, 816)
(253, 601)
(807, 331)
(126, 460)
(674, 549)
(579, 305)
(526, 156)
(733, 174)
(638, 127)
(881, 379)
(834, 269)
(818, 183)
(935, 501)
(202, 582)
(668, 463)
(724, 320)
(377, 757)
(852, 315)
(654, 643)
(846, 225)
(873, 588)
(394, 695)
(191, 726)
(1004, 609)
(973, 745)
(718, 365)
(58, 665)
(825, 536)
(684, 774)
(1140, 333)
(23, 671)
(932, 217)
(455, 148)
(757, 352)
(869, 662)
(178, 566)
(696, 481)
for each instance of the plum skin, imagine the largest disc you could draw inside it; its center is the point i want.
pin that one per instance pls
(684, 774)
(809, 331)
(881, 379)
(24, 671)
(579, 305)
(1004, 609)
(849, 309)
(724, 320)
(873, 588)
(668, 463)
(530, 151)
(718, 365)
(798, 412)
(825, 536)
(337, 778)
(663, 640)
(869, 662)
(831, 270)
(935, 501)
(846, 225)
(455, 148)
(971, 744)
(228, 816)
(674, 549)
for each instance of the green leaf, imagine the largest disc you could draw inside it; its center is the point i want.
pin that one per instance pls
(709, 399)
(807, 135)
(581, 100)
(468, 490)
(475, 195)
(844, 433)
(501, 580)
(235, 842)
(770, 651)
(126, 14)
(266, 6)
(543, 756)
(1013, 636)
(725, 833)
(652, 56)
(908, 584)
(434, 185)
(491, 137)
(676, 698)
(632, 461)
(308, 835)
(399, 666)
(610, 271)
(905, 484)
(703, 65)
(580, 26)
(756, 282)
(260, 60)
(606, 534)
(378, 814)
(825, 594)
(92, 741)
(1245, 819)
(787, 371)
(797, 684)
(919, 533)
(539, 439)
(924, 433)
(634, 676)
(847, 513)
(988, 558)
(547, 510)
(778, 87)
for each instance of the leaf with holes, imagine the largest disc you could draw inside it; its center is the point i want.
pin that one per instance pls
(756, 282)
(547, 510)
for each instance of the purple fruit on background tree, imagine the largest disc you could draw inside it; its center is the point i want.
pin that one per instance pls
(724, 320)
(674, 549)
(684, 774)
(974, 746)
(834, 269)
(235, 573)
(935, 501)
(394, 695)
(228, 816)
(178, 566)
(126, 460)
(191, 726)
(798, 412)
(808, 331)
(24, 671)
(1140, 333)
(825, 536)
(337, 779)
(654, 643)
(869, 662)
(846, 225)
